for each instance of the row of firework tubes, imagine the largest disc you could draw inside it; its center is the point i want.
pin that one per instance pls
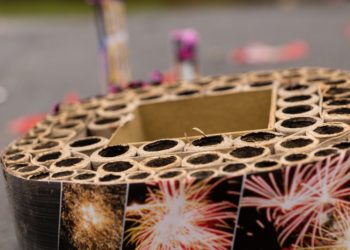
(61, 140)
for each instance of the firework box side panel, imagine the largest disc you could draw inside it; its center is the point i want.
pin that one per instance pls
(182, 214)
(36, 210)
(229, 113)
(296, 207)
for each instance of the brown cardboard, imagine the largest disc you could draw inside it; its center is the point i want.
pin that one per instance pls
(228, 113)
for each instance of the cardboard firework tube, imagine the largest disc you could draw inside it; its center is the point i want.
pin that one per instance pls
(296, 124)
(258, 138)
(337, 103)
(201, 174)
(81, 115)
(224, 88)
(336, 82)
(30, 170)
(298, 100)
(186, 92)
(247, 153)
(266, 165)
(298, 110)
(337, 92)
(268, 75)
(47, 158)
(328, 130)
(296, 89)
(344, 145)
(110, 178)
(46, 146)
(111, 153)
(118, 167)
(78, 126)
(322, 153)
(234, 168)
(25, 144)
(161, 162)
(87, 145)
(13, 168)
(207, 143)
(337, 114)
(105, 126)
(139, 176)
(80, 162)
(17, 158)
(203, 159)
(115, 110)
(295, 158)
(40, 176)
(296, 144)
(64, 135)
(171, 174)
(115, 98)
(63, 175)
(11, 151)
(86, 176)
(162, 146)
(262, 84)
(153, 97)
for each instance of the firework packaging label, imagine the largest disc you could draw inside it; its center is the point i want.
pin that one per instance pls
(113, 40)
(301, 207)
(199, 214)
(92, 216)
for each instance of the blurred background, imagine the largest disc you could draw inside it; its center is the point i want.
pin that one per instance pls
(48, 49)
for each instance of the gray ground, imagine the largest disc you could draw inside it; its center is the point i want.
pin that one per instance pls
(41, 59)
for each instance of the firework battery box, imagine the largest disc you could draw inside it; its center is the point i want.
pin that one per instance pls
(156, 184)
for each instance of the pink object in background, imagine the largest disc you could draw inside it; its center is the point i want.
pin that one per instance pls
(259, 53)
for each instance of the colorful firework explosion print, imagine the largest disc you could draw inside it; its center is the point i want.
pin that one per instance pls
(92, 216)
(182, 214)
(301, 207)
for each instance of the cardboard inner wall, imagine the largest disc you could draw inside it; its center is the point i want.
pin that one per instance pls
(212, 114)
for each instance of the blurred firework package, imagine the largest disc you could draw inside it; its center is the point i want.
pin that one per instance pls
(113, 40)
(185, 42)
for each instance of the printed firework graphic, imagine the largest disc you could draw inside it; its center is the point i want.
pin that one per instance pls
(92, 216)
(301, 207)
(182, 214)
